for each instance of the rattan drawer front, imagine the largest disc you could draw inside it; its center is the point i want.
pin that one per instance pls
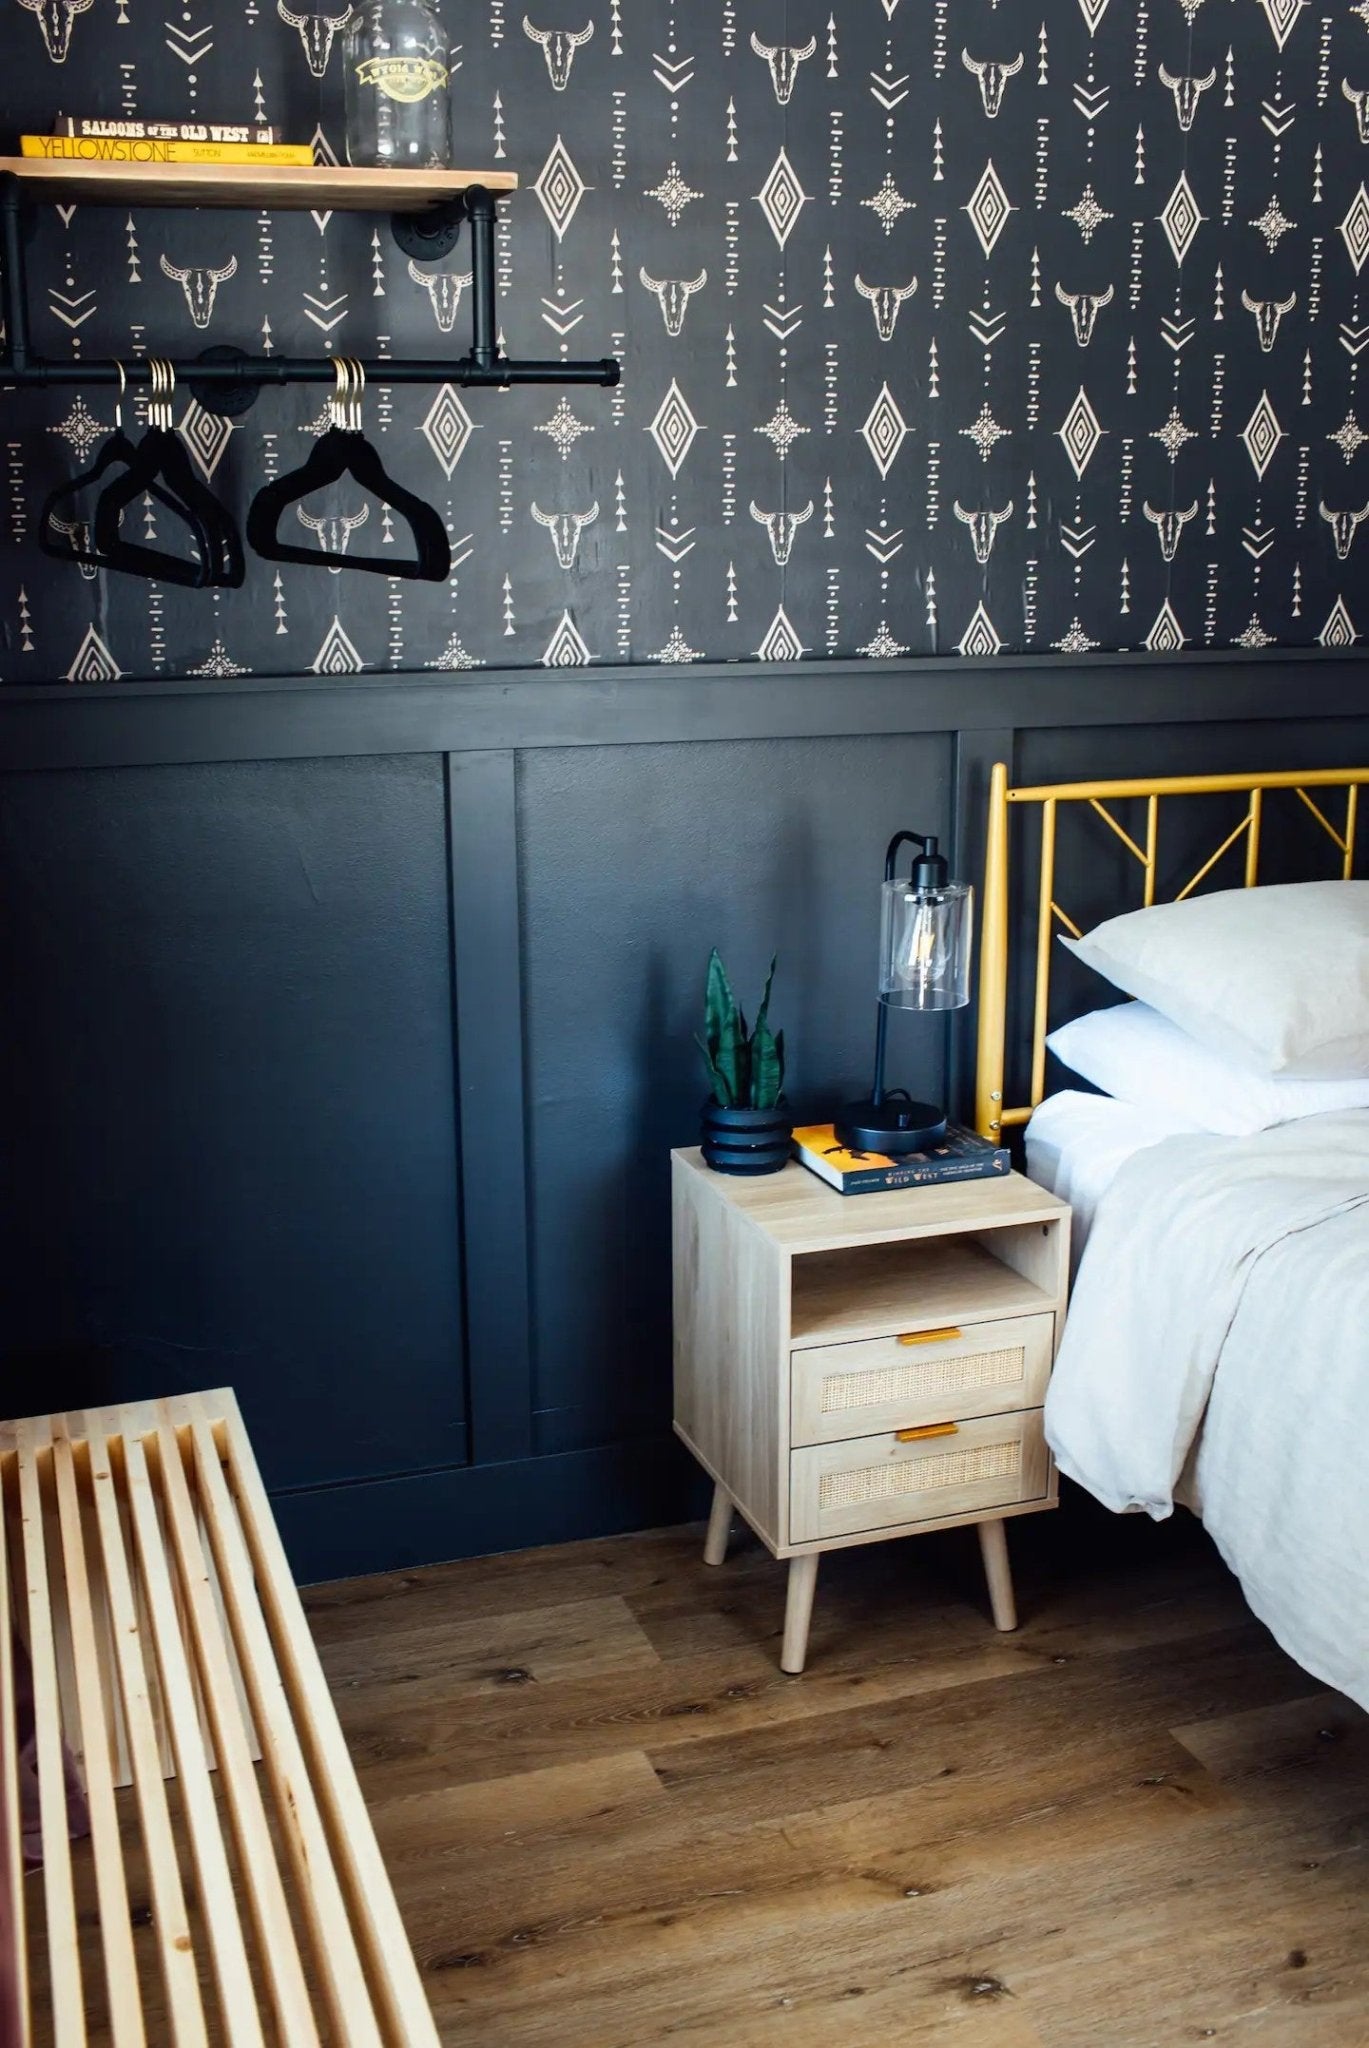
(846, 1390)
(876, 1482)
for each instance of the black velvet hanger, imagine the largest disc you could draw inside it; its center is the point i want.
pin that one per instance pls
(161, 465)
(117, 452)
(343, 450)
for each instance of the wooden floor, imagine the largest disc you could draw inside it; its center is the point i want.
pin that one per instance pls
(612, 1822)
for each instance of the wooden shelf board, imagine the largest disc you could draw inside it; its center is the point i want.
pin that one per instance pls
(803, 1214)
(316, 187)
(840, 1297)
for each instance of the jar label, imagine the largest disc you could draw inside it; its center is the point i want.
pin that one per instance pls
(403, 78)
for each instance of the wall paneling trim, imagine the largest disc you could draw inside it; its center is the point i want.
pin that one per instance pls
(345, 1026)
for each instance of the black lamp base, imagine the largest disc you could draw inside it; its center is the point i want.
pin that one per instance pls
(893, 1127)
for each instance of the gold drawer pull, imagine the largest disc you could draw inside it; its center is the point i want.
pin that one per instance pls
(915, 1436)
(931, 1336)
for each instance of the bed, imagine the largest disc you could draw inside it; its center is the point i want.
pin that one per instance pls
(1216, 1353)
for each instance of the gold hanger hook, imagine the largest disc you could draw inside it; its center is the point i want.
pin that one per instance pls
(163, 384)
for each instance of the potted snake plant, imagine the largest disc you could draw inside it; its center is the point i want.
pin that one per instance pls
(746, 1126)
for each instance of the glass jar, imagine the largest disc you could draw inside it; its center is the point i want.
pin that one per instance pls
(395, 65)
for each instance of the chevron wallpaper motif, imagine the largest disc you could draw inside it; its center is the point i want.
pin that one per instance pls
(945, 324)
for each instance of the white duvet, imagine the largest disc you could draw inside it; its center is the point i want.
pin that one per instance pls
(1216, 1353)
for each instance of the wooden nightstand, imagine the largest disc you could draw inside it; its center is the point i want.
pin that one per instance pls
(851, 1368)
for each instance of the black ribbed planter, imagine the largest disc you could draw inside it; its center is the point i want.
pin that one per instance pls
(745, 1140)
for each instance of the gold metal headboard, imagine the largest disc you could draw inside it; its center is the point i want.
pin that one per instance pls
(991, 1115)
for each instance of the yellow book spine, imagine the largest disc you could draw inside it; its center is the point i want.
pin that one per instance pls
(123, 149)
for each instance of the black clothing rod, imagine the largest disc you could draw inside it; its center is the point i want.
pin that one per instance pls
(317, 370)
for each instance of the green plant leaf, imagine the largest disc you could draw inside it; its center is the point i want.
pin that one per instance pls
(726, 1042)
(779, 1054)
(767, 1069)
(763, 1014)
(733, 1057)
(718, 1002)
(716, 1083)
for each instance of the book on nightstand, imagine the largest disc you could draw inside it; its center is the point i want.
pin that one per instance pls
(961, 1155)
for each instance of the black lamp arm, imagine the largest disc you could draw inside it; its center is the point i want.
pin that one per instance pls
(930, 871)
(917, 839)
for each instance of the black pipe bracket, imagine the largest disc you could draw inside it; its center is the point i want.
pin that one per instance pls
(431, 235)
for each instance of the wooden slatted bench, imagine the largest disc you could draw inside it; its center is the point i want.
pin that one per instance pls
(151, 1595)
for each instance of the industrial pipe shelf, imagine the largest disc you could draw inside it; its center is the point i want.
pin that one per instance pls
(80, 181)
(427, 209)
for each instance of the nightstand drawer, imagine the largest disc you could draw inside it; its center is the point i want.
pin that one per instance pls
(887, 1383)
(876, 1482)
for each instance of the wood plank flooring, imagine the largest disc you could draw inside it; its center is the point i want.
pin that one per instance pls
(612, 1822)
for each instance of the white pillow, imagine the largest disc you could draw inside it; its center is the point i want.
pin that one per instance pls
(1275, 979)
(1133, 1053)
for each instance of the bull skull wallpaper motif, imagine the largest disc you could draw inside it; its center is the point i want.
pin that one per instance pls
(200, 285)
(444, 289)
(55, 19)
(784, 62)
(993, 79)
(316, 33)
(925, 330)
(558, 47)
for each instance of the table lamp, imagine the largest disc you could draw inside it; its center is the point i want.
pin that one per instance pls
(925, 940)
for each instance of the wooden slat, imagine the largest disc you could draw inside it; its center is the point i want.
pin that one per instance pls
(337, 186)
(335, 1949)
(220, 1681)
(64, 1959)
(171, 1926)
(14, 1988)
(111, 1885)
(121, 1764)
(398, 1989)
(237, 1998)
(179, 1580)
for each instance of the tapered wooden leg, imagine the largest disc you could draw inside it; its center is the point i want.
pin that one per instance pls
(993, 1542)
(798, 1611)
(719, 1525)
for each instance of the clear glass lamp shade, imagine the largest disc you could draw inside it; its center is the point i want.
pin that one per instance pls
(926, 938)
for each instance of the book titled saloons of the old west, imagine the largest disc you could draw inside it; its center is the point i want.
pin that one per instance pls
(166, 131)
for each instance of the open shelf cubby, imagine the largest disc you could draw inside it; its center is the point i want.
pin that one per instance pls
(869, 1290)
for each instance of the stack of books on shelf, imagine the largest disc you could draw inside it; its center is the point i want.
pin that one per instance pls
(961, 1155)
(77, 140)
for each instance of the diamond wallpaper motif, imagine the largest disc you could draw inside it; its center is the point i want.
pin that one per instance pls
(945, 324)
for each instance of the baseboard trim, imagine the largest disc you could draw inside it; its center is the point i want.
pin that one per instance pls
(343, 1532)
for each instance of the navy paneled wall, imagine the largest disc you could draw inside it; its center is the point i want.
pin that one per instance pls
(345, 1027)
(944, 326)
(228, 1101)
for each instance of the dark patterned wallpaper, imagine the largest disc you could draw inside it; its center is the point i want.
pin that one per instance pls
(944, 323)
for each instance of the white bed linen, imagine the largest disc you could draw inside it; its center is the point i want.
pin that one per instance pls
(1216, 1352)
(1076, 1143)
